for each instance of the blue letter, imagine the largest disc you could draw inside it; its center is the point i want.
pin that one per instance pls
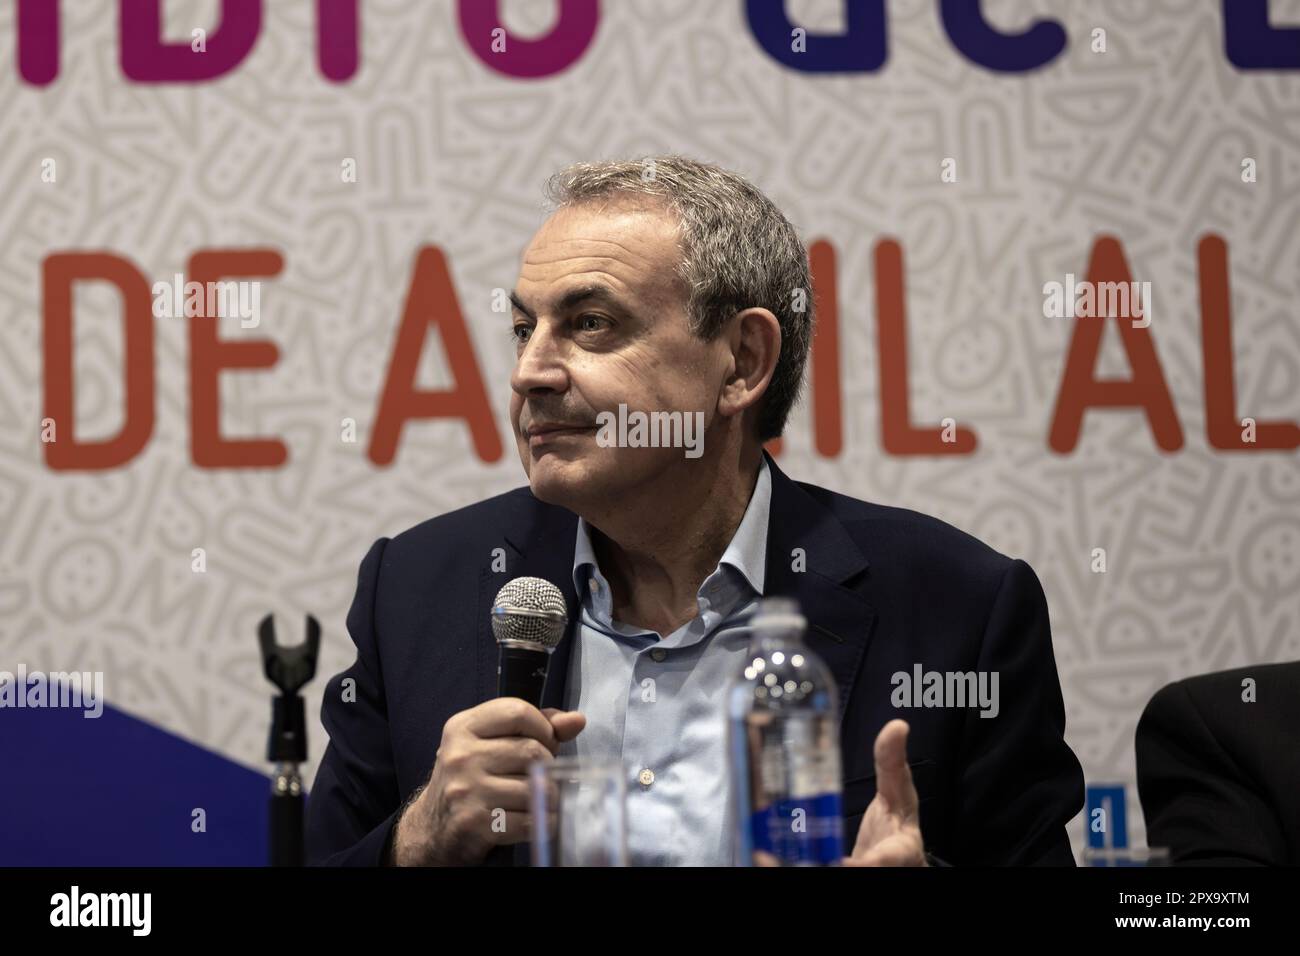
(1007, 53)
(859, 49)
(1254, 45)
(1117, 816)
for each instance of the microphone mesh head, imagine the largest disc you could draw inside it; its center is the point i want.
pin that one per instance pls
(530, 610)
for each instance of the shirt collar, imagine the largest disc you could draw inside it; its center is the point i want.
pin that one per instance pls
(747, 551)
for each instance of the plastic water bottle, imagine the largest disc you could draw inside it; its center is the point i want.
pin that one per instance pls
(783, 721)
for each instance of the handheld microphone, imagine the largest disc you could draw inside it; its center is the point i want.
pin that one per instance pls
(529, 617)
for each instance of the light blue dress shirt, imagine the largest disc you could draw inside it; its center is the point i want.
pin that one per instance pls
(658, 706)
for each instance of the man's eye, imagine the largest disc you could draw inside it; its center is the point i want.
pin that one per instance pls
(520, 333)
(590, 322)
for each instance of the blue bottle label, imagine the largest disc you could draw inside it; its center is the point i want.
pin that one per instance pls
(807, 830)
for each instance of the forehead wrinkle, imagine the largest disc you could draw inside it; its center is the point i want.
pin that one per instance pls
(596, 240)
(628, 252)
(591, 273)
(532, 260)
(608, 288)
(644, 285)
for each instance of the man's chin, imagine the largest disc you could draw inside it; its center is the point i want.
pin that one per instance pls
(576, 479)
(559, 481)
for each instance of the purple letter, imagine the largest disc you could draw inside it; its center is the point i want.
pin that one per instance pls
(146, 59)
(336, 38)
(38, 41)
(560, 48)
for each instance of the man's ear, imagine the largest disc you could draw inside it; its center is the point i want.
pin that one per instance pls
(754, 336)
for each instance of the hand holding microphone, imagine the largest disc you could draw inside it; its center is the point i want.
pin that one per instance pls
(477, 795)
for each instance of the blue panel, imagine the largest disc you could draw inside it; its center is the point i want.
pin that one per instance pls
(118, 791)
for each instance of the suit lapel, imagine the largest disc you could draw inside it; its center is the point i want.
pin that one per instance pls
(812, 558)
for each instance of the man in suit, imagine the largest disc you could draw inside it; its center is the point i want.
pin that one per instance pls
(1218, 763)
(676, 288)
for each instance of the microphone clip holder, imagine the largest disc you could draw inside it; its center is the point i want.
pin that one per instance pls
(288, 668)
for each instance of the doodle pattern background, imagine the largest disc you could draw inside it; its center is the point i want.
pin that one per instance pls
(1144, 142)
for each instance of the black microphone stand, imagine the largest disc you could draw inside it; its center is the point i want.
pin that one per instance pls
(288, 668)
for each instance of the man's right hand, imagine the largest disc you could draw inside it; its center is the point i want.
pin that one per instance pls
(480, 776)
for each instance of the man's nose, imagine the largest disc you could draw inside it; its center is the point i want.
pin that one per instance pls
(540, 367)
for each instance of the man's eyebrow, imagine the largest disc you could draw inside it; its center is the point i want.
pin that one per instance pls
(600, 293)
(519, 305)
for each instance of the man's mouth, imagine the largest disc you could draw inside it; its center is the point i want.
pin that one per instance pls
(538, 433)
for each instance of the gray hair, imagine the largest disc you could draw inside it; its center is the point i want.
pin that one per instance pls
(738, 252)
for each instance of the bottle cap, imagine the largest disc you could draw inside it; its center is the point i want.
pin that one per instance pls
(778, 613)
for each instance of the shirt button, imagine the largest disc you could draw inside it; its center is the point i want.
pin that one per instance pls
(646, 777)
(659, 653)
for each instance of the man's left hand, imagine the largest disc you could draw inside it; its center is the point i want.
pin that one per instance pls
(890, 832)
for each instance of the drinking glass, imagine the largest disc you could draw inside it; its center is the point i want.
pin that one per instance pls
(584, 806)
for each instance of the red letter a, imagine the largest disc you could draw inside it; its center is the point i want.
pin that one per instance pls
(1080, 390)
(432, 301)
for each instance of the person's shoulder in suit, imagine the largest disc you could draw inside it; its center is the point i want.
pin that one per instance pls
(418, 660)
(437, 538)
(1218, 767)
(949, 602)
(433, 572)
(890, 535)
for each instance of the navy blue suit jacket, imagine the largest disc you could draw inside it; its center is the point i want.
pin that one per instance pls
(883, 589)
(1218, 775)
